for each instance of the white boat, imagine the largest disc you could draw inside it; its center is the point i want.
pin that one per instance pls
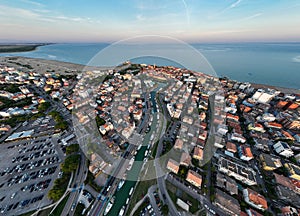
(139, 147)
(122, 211)
(146, 152)
(121, 183)
(130, 163)
(109, 205)
(127, 201)
(131, 190)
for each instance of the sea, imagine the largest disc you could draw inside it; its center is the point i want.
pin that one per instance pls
(276, 64)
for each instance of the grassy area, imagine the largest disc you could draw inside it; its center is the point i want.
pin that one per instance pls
(79, 208)
(90, 181)
(173, 191)
(155, 149)
(27, 214)
(140, 191)
(60, 207)
(18, 48)
(45, 212)
(142, 206)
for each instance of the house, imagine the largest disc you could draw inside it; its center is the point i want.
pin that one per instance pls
(178, 144)
(219, 142)
(289, 211)
(283, 149)
(227, 203)
(294, 171)
(185, 159)
(273, 125)
(227, 183)
(268, 117)
(262, 144)
(5, 128)
(285, 182)
(231, 147)
(198, 153)
(269, 163)
(238, 137)
(173, 166)
(256, 127)
(245, 153)
(222, 129)
(194, 178)
(255, 199)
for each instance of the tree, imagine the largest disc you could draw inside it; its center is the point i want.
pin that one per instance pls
(99, 121)
(74, 148)
(165, 210)
(70, 164)
(44, 106)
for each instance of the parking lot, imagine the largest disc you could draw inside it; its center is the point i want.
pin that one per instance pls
(28, 169)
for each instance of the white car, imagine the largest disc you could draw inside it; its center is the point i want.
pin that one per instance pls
(13, 195)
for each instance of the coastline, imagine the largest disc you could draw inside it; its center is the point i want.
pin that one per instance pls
(44, 65)
(13, 48)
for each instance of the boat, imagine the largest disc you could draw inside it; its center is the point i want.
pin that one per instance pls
(109, 205)
(127, 201)
(146, 152)
(139, 147)
(121, 183)
(130, 164)
(131, 190)
(122, 211)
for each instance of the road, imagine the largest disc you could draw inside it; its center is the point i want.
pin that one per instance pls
(202, 199)
(78, 181)
(159, 172)
(151, 190)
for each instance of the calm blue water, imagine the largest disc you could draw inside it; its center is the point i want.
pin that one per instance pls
(269, 63)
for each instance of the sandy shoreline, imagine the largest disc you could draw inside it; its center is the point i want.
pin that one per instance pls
(43, 66)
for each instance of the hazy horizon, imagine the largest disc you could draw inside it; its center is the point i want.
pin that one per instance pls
(220, 21)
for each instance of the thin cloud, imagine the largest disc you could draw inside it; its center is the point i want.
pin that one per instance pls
(233, 5)
(33, 3)
(37, 15)
(251, 17)
(230, 7)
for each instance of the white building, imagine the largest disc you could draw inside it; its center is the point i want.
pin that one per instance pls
(237, 137)
(268, 117)
(262, 97)
(222, 129)
(283, 149)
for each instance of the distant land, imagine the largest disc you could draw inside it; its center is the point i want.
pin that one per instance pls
(8, 48)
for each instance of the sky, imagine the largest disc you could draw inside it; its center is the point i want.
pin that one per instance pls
(188, 20)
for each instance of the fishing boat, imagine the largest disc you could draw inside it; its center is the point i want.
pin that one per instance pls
(122, 211)
(120, 185)
(131, 190)
(109, 205)
(130, 164)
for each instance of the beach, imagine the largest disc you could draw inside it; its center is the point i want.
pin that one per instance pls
(43, 65)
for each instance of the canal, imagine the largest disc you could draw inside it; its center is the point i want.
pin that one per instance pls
(122, 195)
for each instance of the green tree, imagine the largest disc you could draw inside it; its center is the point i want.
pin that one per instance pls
(99, 121)
(70, 164)
(44, 107)
(74, 148)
